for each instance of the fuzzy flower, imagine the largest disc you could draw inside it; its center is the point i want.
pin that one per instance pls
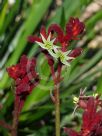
(25, 76)
(74, 28)
(66, 56)
(63, 56)
(91, 119)
(48, 44)
(56, 44)
(46, 41)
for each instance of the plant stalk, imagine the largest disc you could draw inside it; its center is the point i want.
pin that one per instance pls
(15, 117)
(56, 79)
(57, 100)
(57, 111)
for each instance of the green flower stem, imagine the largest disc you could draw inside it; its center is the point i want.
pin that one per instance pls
(57, 96)
(56, 100)
(57, 111)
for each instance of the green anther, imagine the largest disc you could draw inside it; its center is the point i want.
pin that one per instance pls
(48, 45)
(61, 55)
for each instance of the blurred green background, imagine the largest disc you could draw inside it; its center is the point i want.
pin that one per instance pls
(21, 18)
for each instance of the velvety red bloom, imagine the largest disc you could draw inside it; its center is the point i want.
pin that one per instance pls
(91, 119)
(70, 132)
(56, 35)
(76, 52)
(75, 26)
(73, 29)
(24, 75)
(34, 38)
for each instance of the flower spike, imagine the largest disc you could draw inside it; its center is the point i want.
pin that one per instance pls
(48, 41)
(25, 76)
(91, 118)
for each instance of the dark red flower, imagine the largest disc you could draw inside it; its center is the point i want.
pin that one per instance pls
(24, 75)
(91, 119)
(70, 132)
(76, 52)
(56, 35)
(34, 38)
(75, 27)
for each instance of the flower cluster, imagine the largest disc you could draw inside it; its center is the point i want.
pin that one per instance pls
(25, 76)
(92, 118)
(55, 36)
